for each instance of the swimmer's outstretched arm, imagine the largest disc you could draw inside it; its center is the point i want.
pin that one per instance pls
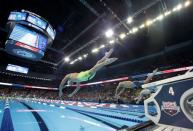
(122, 85)
(123, 89)
(76, 90)
(148, 79)
(61, 87)
(142, 94)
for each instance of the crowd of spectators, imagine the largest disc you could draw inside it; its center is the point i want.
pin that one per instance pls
(98, 93)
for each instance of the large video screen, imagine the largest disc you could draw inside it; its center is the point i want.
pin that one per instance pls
(37, 21)
(17, 16)
(51, 32)
(16, 68)
(28, 37)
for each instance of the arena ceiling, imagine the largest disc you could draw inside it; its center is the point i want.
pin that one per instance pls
(81, 25)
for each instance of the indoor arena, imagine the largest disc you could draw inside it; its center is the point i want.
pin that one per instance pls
(96, 65)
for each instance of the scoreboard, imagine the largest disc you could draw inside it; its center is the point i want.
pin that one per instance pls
(29, 35)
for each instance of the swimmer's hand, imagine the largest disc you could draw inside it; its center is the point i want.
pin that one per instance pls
(154, 71)
(110, 60)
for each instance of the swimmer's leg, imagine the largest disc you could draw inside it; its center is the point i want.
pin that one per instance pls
(75, 91)
(118, 87)
(148, 79)
(98, 66)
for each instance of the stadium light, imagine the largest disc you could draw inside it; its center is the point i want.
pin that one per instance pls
(149, 22)
(141, 26)
(160, 17)
(111, 41)
(102, 46)
(85, 55)
(129, 20)
(187, 3)
(134, 30)
(66, 59)
(167, 13)
(179, 7)
(122, 35)
(174, 9)
(80, 58)
(72, 62)
(95, 50)
(109, 33)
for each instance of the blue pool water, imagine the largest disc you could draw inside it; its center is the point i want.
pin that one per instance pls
(40, 116)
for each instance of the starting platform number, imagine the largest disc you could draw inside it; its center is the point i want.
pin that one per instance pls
(171, 91)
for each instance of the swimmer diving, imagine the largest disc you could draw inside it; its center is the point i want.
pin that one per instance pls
(83, 76)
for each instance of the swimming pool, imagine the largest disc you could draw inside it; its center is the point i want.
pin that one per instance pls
(30, 115)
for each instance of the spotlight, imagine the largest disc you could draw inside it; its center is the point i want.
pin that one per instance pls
(167, 13)
(111, 41)
(102, 46)
(174, 9)
(179, 7)
(142, 26)
(149, 22)
(160, 17)
(80, 58)
(109, 33)
(122, 35)
(129, 20)
(75, 60)
(187, 3)
(95, 50)
(134, 30)
(66, 59)
(72, 62)
(85, 55)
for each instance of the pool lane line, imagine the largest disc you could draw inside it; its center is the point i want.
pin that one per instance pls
(7, 123)
(100, 120)
(110, 116)
(140, 116)
(40, 121)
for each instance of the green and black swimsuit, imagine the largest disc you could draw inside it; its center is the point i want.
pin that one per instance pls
(85, 75)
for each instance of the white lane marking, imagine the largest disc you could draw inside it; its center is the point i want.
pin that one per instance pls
(52, 105)
(93, 107)
(62, 107)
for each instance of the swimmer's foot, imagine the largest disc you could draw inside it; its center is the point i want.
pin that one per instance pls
(110, 60)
